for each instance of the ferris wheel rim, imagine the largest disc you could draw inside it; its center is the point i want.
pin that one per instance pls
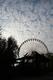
(33, 39)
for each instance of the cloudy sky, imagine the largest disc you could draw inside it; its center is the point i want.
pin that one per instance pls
(25, 19)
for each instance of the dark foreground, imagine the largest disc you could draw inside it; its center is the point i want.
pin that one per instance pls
(48, 76)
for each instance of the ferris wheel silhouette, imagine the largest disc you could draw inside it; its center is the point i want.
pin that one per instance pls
(30, 45)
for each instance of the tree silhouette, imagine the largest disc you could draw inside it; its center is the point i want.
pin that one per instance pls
(8, 51)
(11, 52)
(2, 58)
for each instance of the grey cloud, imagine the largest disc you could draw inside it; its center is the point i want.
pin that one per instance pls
(2, 2)
(33, 17)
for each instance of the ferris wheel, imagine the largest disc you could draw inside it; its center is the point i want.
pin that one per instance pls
(30, 45)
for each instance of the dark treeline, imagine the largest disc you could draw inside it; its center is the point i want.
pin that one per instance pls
(8, 50)
(26, 65)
